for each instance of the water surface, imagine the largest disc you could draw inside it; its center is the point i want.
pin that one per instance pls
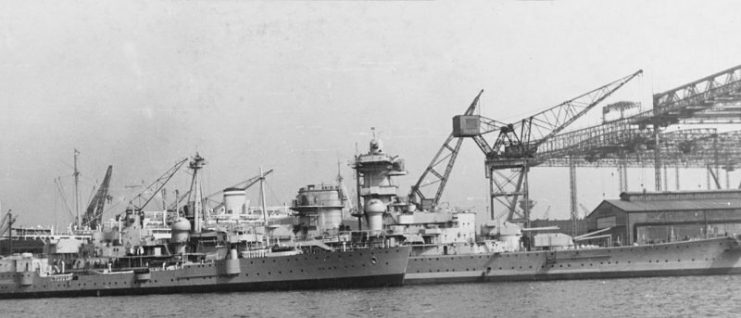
(693, 296)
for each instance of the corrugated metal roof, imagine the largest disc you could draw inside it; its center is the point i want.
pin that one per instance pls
(716, 195)
(679, 205)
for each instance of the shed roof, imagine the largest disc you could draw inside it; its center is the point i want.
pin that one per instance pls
(678, 205)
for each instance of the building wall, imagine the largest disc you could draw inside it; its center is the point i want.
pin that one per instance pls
(668, 216)
(645, 227)
(608, 215)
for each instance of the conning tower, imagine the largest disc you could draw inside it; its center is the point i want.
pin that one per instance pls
(376, 191)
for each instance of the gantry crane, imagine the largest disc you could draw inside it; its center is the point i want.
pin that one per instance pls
(93, 216)
(712, 99)
(695, 99)
(633, 140)
(686, 148)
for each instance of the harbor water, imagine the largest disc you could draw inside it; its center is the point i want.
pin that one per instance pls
(692, 296)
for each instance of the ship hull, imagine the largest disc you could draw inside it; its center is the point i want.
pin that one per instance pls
(719, 256)
(321, 270)
(306, 284)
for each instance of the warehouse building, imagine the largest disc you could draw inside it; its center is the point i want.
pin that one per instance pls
(646, 218)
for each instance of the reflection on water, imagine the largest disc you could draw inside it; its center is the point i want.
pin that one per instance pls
(642, 297)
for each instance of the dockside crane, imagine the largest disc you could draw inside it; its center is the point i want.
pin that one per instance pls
(516, 147)
(439, 169)
(514, 151)
(93, 216)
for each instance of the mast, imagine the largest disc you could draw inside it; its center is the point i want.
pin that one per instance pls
(357, 194)
(195, 201)
(10, 232)
(77, 193)
(342, 191)
(262, 201)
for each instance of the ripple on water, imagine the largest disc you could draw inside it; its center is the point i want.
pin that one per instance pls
(694, 296)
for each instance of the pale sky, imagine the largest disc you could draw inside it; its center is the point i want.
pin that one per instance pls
(294, 85)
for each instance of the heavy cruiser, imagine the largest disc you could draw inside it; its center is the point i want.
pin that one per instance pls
(195, 258)
(447, 246)
(311, 268)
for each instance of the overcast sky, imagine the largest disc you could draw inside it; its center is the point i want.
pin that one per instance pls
(295, 85)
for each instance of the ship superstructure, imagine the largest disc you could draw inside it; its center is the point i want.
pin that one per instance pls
(319, 211)
(376, 191)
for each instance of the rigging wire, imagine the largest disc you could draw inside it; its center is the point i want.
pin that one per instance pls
(273, 196)
(61, 193)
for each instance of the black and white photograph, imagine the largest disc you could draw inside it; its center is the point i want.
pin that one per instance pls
(370, 158)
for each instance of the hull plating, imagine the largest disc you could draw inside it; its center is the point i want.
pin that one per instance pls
(360, 268)
(703, 257)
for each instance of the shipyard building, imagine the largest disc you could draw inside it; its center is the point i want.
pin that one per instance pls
(646, 218)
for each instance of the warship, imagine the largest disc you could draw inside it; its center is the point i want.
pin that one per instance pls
(130, 260)
(304, 267)
(446, 246)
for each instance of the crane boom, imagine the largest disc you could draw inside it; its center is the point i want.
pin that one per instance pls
(94, 214)
(523, 138)
(150, 191)
(700, 94)
(243, 185)
(445, 157)
(4, 223)
(517, 145)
